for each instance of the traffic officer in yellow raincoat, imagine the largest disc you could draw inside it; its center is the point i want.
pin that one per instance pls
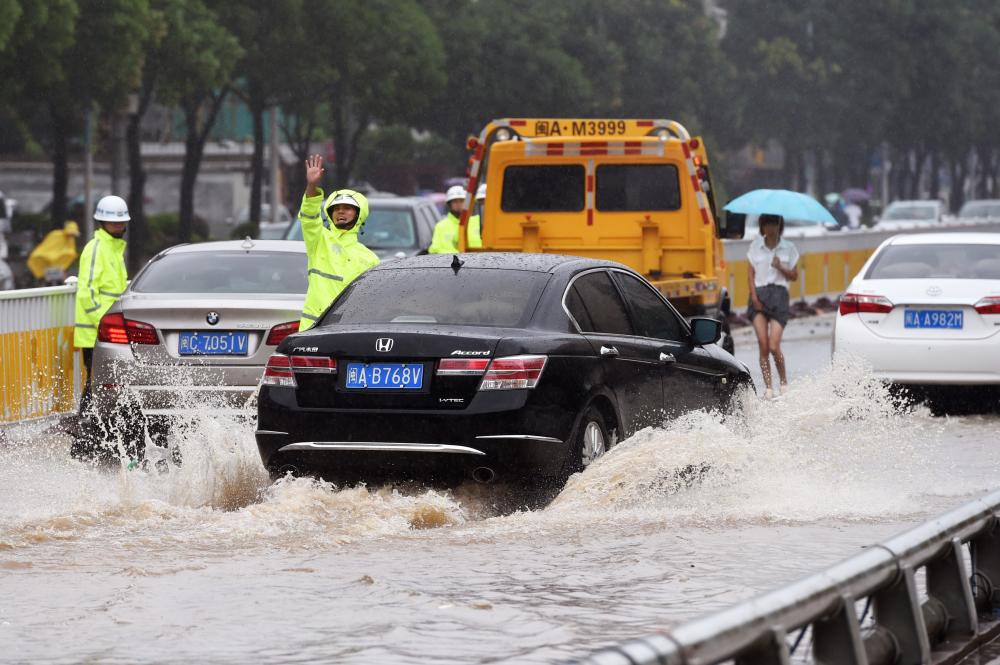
(102, 279)
(445, 238)
(330, 229)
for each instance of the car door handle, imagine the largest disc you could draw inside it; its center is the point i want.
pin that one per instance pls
(609, 351)
(667, 357)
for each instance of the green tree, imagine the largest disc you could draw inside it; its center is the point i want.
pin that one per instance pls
(197, 62)
(373, 60)
(266, 75)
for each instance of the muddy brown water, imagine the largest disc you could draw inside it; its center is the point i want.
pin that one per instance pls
(212, 563)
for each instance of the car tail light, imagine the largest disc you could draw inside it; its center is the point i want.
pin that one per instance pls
(462, 366)
(513, 373)
(280, 332)
(116, 329)
(863, 303)
(278, 372)
(314, 365)
(988, 305)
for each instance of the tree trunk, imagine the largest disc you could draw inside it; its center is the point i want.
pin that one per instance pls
(256, 167)
(935, 186)
(959, 173)
(341, 121)
(194, 148)
(138, 227)
(60, 170)
(298, 133)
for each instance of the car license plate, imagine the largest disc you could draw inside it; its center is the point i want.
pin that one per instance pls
(385, 376)
(200, 343)
(933, 318)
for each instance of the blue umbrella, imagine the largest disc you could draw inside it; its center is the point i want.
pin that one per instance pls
(788, 204)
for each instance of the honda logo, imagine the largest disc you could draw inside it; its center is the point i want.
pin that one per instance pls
(383, 344)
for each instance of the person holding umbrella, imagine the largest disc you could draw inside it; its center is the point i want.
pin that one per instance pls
(772, 264)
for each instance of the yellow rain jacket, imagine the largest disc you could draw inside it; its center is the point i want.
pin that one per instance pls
(101, 282)
(56, 250)
(335, 257)
(445, 238)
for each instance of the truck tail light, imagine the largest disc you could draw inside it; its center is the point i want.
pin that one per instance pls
(988, 305)
(278, 372)
(314, 364)
(514, 373)
(863, 303)
(462, 366)
(280, 332)
(116, 329)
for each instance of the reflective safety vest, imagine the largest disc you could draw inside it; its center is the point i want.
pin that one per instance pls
(101, 283)
(335, 257)
(445, 239)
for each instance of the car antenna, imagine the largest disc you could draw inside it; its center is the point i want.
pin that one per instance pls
(456, 263)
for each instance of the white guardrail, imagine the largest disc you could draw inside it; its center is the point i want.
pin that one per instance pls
(956, 557)
(39, 368)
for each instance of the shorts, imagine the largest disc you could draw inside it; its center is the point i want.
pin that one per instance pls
(774, 299)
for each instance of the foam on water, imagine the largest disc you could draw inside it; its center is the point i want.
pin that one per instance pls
(835, 447)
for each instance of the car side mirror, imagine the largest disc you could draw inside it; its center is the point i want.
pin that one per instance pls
(736, 225)
(705, 330)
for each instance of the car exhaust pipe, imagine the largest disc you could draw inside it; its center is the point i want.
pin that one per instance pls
(483, 474)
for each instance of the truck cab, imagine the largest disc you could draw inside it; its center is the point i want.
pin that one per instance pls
(634, 191)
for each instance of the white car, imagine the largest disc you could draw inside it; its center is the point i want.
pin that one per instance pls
(980, 209)
(904, 215)
(925, 312)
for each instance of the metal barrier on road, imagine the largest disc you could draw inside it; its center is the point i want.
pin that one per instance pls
(957, 617)
(39, 368)
(829, 262)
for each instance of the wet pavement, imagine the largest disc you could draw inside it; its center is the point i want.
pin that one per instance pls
(212, 563)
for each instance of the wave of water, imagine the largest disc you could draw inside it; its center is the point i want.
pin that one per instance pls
(835, 447)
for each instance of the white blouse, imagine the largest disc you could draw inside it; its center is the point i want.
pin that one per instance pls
(760, 256)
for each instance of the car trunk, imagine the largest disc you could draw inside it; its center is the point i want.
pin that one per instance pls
(395, 348)
(932, 309)
(182, 318)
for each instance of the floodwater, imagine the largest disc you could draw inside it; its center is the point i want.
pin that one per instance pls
(212, 563)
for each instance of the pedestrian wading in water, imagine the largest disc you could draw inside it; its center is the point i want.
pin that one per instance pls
(773, 263)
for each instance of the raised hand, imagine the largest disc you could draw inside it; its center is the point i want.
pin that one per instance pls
(314, 173)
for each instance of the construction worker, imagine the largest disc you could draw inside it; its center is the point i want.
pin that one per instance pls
(475, 239)
(330, 229)
(445, 238)
(53, 256)
(102, 279)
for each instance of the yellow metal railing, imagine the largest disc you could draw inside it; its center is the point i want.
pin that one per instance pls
(39, 368)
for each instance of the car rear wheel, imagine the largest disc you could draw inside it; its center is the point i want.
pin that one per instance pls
(591, 442)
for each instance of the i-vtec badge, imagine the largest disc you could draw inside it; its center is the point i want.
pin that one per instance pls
(470, 353)
(383, 344)
(451, 400)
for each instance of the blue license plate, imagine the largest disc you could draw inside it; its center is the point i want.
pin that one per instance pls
(385, 376)
(933, 318)
(202, 343)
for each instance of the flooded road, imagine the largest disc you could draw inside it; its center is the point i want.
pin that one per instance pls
(212, 563)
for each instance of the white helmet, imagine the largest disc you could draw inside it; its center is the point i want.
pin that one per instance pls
(454, 193)
(112, 209)
(481, 192)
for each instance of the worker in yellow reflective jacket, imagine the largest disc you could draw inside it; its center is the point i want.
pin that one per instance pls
(445, 238)
(330, 229)
(102, 279)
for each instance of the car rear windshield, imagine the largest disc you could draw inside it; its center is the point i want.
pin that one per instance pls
(936, 261)
(385, 228)
(225, 272)
(634, 187)
(557, 188)
(474, 297)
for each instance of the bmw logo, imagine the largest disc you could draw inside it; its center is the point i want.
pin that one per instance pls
(212, 318)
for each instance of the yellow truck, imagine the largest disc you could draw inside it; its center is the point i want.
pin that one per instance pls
(634, 191)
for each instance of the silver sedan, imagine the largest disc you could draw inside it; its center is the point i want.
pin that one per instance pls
(192, 333)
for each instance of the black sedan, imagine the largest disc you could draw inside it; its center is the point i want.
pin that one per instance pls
(518, 366)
